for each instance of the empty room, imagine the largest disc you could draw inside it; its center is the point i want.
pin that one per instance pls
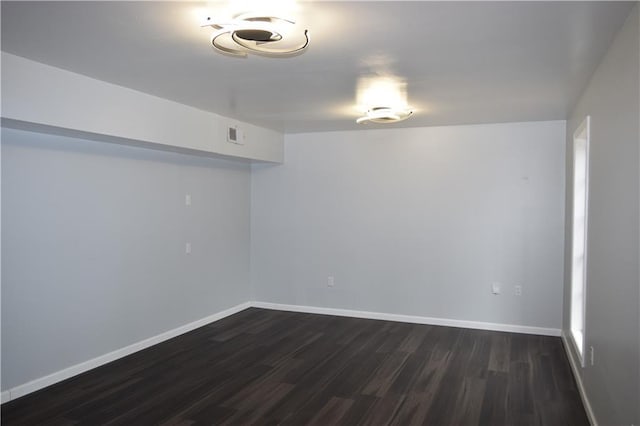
(320, 213)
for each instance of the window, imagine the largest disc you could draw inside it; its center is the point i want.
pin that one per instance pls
(579, 245)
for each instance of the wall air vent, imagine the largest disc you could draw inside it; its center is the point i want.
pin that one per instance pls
(235, 135)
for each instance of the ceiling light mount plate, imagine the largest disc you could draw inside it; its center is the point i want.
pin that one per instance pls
(385, 115)
(268, 36)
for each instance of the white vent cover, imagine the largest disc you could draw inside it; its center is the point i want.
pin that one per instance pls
(235, 135)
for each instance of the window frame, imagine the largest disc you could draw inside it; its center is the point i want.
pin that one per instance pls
(580, 136)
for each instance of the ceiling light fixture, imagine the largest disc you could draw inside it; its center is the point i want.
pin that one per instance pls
(385, 115)
(258, 34)
(382, 99)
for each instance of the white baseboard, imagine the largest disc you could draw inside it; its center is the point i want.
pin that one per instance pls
(575, 368)
(410, 318)
(74, 370)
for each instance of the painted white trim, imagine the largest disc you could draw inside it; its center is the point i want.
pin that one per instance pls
(74, 370)
(410, 318)
(575, 368)
(583, 128)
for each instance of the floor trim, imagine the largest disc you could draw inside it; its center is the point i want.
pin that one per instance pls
(410, 318)
(74, 370)
(575, 369)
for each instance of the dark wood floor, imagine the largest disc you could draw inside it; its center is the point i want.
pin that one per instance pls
(272, 367)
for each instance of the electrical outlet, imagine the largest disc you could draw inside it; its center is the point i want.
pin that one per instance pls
(330, 282)
(187, 248)
(187, 199)
(591, 355)
(495, 288)
(518, 290)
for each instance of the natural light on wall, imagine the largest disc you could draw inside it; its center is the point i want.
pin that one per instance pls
(579, 245)
(382, 99)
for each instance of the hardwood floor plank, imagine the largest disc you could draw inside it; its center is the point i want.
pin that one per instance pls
(520, 401)
(494, 403)
(356, 375)
(404, 380)
(382, 411)
(413, 410)
(451, 383)
(414, 338)
(203, 414)
(385, 375)
(257, 395)
(362, 405)
(305, 413)
(252, 409)
(396, 334)
(499, 357)
(479, 357)
(267, 367)
(332, 412)
(469, 402)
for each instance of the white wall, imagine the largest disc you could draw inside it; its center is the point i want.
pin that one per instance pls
(93, 239)
(416, 222)
(612, 311)
(40, 97)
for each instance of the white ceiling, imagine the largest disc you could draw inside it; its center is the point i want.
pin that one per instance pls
(464, 62)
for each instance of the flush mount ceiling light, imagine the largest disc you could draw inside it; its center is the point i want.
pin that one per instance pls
(258, 34)
(382, 99)
(385, 115)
